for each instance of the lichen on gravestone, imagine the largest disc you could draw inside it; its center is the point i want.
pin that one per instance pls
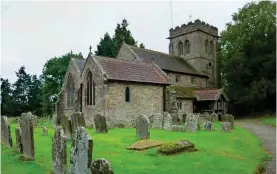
(59, 152)
(142, 127)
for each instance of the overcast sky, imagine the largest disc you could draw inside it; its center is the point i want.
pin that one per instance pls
(33, 32)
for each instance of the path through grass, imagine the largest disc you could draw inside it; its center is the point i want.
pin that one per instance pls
(238, 152)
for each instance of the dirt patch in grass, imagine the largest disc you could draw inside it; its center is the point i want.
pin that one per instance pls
(144, 144)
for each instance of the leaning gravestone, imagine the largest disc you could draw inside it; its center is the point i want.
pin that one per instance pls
(77, 120)
(101, 166)
(81, 152)
(45, 131)
(226, 127)
(27, 136)
(6, 137)
(18, 140)
(59, 152)
(192, 124)
(142, 127)
(100, 123)
(67, 127)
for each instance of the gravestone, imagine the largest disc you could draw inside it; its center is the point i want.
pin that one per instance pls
(59, 152)
(31, 117)
(214, 116)
(27, 136)
(192, 124)
(167, 121)
(45, 131)
(142, 127)
(101, 166)
(77, 120)
(208, 126)
(67, 127)
(6, 136)
(100, 123)
(81, 152)
(19, 147)
(157, 123)
(226, 127)
(229, 118)
(202, 121)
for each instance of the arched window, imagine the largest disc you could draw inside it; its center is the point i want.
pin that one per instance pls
(211, 47)
(70, 90)
(180, 49)
(93, 92)
(187, 47)
(127, 94)
(206, 46)
(89, 89)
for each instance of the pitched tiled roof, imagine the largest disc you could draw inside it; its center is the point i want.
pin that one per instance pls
(80, 62)
(134, 71)
(208, 94)
(164, 61)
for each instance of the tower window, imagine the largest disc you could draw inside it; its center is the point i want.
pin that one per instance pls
(211, 47)
(206, 46)
(180, 49)
(187, 47)
(210, 64)
(127, 94)
(179, 105)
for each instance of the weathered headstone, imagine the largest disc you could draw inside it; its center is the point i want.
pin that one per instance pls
(59, 152)
(77, 120)
(192, 124)
(45, 131)
(81, 152)
(100, 123)
(6, 137)
(67, 127)
(167, 121)
(225, 126)
(208, 126)
(142, 128)
(157, 123)
(27, 137)
(32, 117)
(19, 147)
(214, 116)
(229, 118)
(202, 121)
(101, 166)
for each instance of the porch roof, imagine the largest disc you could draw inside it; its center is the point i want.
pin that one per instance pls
(209, 94)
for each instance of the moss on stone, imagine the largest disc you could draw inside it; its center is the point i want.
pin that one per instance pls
(176, 147)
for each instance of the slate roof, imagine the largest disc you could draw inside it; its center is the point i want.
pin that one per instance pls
(164, 61)
(208, 94)
(80, 62)
(132, 71)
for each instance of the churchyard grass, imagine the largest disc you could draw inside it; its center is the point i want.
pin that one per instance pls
(270, 120)
(218, 152)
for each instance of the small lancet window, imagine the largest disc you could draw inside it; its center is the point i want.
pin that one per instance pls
(180, 49)
(206, 46)
(127, 94)
(211, 47)
(187, 46)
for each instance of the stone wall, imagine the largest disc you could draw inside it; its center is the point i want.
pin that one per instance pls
(145, 99)
(186, 80)
(100, 92)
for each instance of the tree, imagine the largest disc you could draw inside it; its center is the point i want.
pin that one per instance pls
(106, 47)
(35, 95)
(141, 45)
(21, 90)
(53, 74)
(110, 46)
(7, 100)
(249, 57)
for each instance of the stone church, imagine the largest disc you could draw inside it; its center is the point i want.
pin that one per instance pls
(143, 81)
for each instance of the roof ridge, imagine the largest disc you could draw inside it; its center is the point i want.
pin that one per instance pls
(123, 60)
(149, 50)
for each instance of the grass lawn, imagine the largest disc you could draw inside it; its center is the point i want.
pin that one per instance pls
(218, 152)
(270, 120)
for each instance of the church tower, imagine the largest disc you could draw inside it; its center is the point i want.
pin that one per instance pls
(196, 42)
